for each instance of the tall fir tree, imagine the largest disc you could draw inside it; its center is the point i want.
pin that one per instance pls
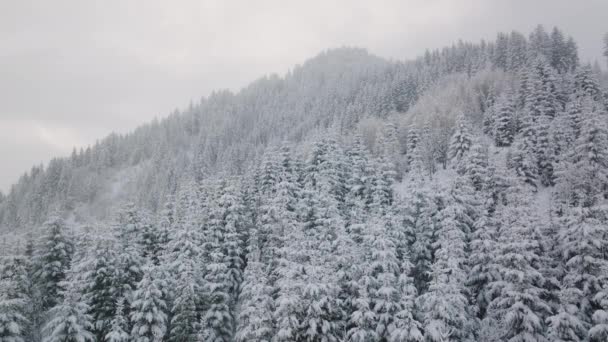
(504, 130)
(519, 307)
(119, 325)
(15, 300)
(148, 316)
(461, 140)
(69, 320)
(52, 261)
(255, 321)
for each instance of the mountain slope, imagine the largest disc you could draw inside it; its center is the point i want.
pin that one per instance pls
(459, 197)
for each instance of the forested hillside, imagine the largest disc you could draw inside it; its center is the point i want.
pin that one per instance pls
(462, 196)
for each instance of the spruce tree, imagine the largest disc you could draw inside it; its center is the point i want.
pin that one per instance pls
(148, 317)
(255, 321)
(461, 140)
(101, 287)
(15, 300)
(119, 324)
(503, 130)
(185, 321)
(378, 306)
(446, 312)
(69, 320)
(52, 261)
(520, 304)
(581, 240)
(217, 322)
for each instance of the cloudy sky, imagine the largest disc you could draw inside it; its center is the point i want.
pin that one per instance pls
(73, 71)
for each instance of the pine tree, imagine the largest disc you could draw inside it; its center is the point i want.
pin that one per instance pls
(519, 304)
(52, 261)
(255, 322)
(461, 140)
(504, 123)
(518, 51)
(321, 223)
(413, 147)
(544, 152)
(288, 249)
(586, 84)
(359, 183)
(420, 228)
(183, 258)
(217, 322)
(15, 301)
(185, 321)
(70, 321)
(378, 308)
(390, 149)
(101, 287)
(581, 239)
(483, 268)
(233, 230)
(476, 167)
(445, 305)
(119, 324)
(599, 330)
(582, 177)
(150, 240)
(148, 316)
(540, 107)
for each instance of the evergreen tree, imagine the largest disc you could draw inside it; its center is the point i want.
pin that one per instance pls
(476, 167)
(420, 228)
(52, 261)
(599, 330)
(255, 322)
(148, 316)
(185, 321)
(518, 51)
(217, 322)
(482, 263)
(519, 306)
(70, 321)
(322, 224)
(288, 279)
(359, 183)
(582, 239)
(582, 178)
(101, 287)
(407, 327)
(119, 325)
(503, 125)
(413, 146)
(150, 240)
(446, 311)
(586, 84)
(378, 308)
(15, 301)
(233, 230)
(461, 140)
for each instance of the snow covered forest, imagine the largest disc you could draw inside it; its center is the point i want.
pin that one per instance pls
(461, 196)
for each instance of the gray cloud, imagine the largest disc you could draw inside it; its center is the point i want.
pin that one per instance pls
(74, 71)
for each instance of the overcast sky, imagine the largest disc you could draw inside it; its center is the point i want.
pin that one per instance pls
(73, 71)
